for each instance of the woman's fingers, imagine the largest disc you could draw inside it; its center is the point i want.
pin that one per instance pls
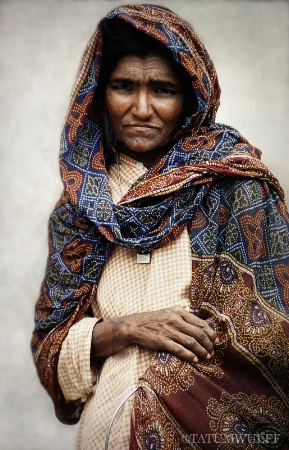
(197, 341)
(190, 318)
(202, 333)
(174, 330)
(193, 327)
(177, 345)
(181, 352)
(182, 346)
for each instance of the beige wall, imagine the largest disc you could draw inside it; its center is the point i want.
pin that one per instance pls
(41, 44)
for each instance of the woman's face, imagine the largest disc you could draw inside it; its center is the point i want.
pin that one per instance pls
(145, 103)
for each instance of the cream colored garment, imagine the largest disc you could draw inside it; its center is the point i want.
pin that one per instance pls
(124, 288)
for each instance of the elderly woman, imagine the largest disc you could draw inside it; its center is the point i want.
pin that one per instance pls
(163, 317)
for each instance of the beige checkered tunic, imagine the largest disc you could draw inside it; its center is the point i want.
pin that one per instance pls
(124, 288)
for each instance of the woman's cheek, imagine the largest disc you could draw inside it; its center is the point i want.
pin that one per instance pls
(173, 112)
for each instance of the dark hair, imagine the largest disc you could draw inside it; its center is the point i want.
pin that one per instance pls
(121, 39)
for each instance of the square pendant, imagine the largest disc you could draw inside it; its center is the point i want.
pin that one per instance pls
(143, 258)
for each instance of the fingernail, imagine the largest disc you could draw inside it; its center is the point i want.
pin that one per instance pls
(212, 353)
(195, 360)
(217, 341)
(208, 356)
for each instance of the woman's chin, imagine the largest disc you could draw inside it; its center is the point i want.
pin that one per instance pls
(139, 145)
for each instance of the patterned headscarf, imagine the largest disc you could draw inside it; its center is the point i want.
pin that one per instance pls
(211, 181)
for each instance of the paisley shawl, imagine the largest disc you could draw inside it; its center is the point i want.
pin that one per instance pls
(213, 183)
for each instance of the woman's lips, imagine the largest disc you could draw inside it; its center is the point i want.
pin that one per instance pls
(139, 127)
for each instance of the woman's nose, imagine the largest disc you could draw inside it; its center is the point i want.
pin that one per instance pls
(142, 108)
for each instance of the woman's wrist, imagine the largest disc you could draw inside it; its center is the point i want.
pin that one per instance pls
(109, 337)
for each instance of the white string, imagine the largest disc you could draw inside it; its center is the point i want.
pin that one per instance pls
(114, 416)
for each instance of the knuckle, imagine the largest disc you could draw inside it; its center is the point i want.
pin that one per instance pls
(191, 343)
(202, 323)
(172, 320)
(201, 335)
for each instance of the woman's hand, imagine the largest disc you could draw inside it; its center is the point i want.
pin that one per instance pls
(171, 329)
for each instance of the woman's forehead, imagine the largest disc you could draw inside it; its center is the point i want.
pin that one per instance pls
(151, 67)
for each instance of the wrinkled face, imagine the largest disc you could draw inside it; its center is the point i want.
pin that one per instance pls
(145, 103)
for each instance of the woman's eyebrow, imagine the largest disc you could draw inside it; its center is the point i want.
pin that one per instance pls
(163, 83)
(121, 80)
(154, 82)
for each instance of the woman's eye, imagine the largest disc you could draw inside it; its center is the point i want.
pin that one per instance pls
(165, 91)
(121, 87)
